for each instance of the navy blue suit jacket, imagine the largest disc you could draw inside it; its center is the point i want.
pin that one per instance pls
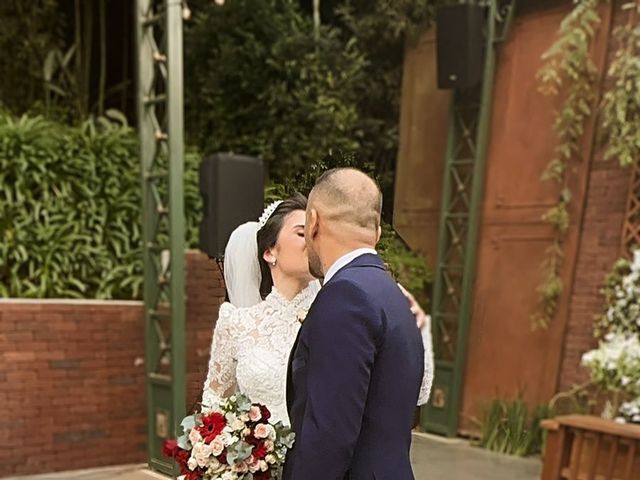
(353, 380)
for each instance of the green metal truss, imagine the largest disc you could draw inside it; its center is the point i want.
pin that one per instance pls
(160, 116)
(458, 230)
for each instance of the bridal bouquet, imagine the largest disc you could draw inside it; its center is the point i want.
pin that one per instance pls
(233, 441)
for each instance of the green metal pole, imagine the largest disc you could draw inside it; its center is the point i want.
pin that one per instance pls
(477, 195)
(175, 116)
(462, 197)
(147, 147)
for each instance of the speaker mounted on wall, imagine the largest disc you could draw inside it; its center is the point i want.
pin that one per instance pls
(460, 44)
(232, 190)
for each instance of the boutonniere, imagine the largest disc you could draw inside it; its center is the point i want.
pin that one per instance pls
(301, 314)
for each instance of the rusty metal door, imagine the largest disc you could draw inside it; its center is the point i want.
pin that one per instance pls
(504, 355)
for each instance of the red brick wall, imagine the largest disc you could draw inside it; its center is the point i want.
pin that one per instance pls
(205, 294)
(598, 250)
(72, 386)
(599, 247)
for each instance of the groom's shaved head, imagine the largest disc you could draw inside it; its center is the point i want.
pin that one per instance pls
(348, 197)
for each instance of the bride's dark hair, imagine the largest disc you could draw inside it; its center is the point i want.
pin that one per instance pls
(268, 236)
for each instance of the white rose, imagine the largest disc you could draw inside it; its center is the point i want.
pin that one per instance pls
(271, 459)
(227, 438)
(237, 424)
(263, 466)
(268, 444)
(217, 445)
(215, 466)
(201, 452)
(194, 436)
(234, 423)
(254, 413)
(192, 463)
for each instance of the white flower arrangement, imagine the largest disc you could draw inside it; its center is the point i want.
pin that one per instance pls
(623, 298)
(615, 364)
(630, 412)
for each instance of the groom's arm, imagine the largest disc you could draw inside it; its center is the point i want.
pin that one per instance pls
(342, 334)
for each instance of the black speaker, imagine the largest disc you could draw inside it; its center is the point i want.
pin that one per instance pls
(232, 189)
(460, 45)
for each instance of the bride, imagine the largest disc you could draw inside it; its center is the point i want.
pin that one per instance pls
(270, 291)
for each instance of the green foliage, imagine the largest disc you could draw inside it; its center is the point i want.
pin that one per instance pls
(382, 29)
(258, 83)
(550, 288)
(508, 427)
(29, 29)
(70, 209)
(568, 68)
(408, 268)
(271, 88)
(621, 103)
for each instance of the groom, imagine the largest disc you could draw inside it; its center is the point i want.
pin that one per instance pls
(356, 368)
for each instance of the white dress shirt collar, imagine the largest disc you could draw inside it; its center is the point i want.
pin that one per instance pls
(345, 260)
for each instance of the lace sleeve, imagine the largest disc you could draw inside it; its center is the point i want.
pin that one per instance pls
(427, 379)
(221, 377)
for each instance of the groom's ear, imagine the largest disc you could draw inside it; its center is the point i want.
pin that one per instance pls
(379, 234)
(313, 222)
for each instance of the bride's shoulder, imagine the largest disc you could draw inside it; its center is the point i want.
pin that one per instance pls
(240, 315)
(227, 310)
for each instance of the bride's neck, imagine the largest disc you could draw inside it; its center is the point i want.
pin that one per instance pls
(289, 287)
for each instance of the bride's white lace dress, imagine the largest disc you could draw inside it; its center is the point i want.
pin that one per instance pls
(251, 346)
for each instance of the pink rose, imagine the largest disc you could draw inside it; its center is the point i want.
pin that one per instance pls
(240, 468)
(261, 431)
(254, 413)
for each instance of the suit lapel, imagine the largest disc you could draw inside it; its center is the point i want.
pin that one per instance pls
(289, 374)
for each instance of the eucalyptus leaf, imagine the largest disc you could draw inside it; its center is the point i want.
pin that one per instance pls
(238, 452)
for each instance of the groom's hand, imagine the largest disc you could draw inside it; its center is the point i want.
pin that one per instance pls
(422, 319)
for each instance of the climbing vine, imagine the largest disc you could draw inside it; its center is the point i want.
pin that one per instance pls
(569, 70)
(621, 104)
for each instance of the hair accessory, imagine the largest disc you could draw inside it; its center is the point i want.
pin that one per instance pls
(266, 214)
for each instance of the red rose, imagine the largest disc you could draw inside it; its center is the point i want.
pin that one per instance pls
(262, 475)
(194, 475)
(169, 448)
(259, 451)
(266, 414)
(182, 456)
(222, 458)
(251, 439)
(212, 426)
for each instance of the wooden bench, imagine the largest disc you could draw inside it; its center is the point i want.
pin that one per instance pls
(583, 447)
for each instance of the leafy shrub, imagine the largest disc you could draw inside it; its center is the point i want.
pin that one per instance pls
(508, 427)
(70, 209)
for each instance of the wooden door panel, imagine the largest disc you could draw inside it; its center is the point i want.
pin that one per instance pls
(503, 354)
(423, 135)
